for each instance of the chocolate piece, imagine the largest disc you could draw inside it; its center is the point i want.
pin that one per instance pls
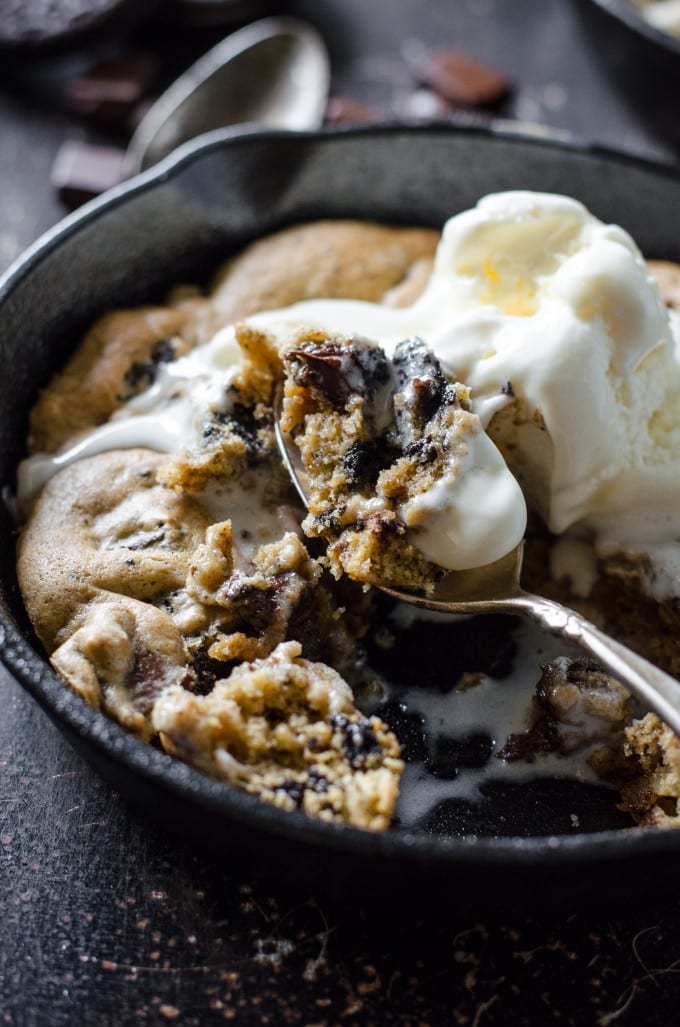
(576, 703)
(336, 368)
(422, 387)
(358, 738)
(111, 90)
(256, 607)
(364, 461)
(461, 79)
(141, 374)
(82, 171)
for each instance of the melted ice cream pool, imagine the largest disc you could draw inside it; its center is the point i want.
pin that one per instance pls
(545, 313)
(491, 708)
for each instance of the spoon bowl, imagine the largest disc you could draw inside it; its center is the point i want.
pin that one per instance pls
(273, 73)
(496, 588)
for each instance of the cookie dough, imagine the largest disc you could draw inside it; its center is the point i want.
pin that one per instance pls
(154, 580)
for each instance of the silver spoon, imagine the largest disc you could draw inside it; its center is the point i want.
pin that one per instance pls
(496, 588)
(274, 73)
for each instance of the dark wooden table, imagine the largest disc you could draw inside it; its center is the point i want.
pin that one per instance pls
(105, 920)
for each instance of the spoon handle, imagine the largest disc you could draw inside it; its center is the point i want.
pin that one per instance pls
(655, 689)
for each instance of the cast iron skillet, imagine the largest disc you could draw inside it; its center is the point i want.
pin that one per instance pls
(643, 60)
(177, 222)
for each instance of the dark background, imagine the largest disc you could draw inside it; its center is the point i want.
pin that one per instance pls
(105, 920)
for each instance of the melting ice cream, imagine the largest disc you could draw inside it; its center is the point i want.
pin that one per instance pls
(554, 322)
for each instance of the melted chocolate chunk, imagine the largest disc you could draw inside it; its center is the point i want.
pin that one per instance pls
(142, 374)
(319, 366)
(148, 670)
(294, 790)
(256, 607)
(422, 389)
(424, 450)
(364, 461)
(429, 394)
(549, 733)
(328, 520)
(339, 368)
(242, 422)
(358, 738)
(208, 670)
(312, 609)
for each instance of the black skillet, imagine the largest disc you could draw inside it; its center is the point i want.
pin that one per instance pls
(517, 850)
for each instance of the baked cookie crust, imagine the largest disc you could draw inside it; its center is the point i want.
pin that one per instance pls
(232, 656)
(151, 607)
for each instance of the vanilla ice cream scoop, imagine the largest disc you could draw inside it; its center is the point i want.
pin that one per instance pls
(554, 322)
(560, 311)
